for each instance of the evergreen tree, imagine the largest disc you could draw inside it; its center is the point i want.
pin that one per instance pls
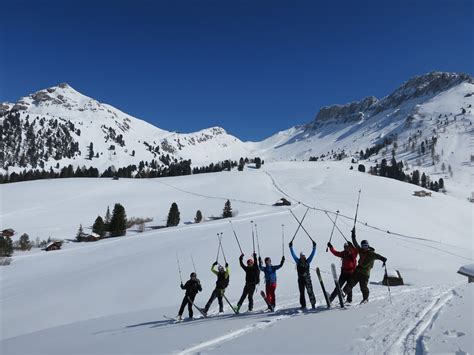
(227, 212)
(415, 179)
(6, 246)
(118, 222)
(25, 242)
(198, 218)
(241, 164)
(107, 219)
(423, 180)
(80, 233)
(173, 216)
(99, 226)
(91, 151)
(441, 183)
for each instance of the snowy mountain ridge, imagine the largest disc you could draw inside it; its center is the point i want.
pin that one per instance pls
(58, 126)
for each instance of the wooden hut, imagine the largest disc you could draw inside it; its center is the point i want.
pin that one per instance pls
(468, 271)
(53, 246)
(422, 193)
(8, 232)
(393, 278)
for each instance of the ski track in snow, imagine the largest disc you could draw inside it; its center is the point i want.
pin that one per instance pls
(413, 341)
(232, 335)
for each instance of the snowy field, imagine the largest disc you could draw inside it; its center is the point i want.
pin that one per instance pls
(110, 296)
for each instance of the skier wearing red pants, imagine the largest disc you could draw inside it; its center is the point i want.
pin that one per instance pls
(270, 278)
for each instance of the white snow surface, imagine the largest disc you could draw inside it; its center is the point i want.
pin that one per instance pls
(110, 296)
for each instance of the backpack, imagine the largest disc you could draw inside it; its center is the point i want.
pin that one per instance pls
(222, 282)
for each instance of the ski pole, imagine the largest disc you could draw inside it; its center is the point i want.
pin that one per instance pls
(283, 239)
(388, 284)
(235, 235)
(299, 224)
(218, 248)
(333, 226)
(253, 237)
(357, 209)
(194, 265)
(340, 232)
(256, 237)
(222, 247)
(179, 269)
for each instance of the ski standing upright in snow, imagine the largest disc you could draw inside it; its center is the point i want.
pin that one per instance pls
(336, 283)
(318, 272)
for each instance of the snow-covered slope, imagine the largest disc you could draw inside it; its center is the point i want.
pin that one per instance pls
(110, 296)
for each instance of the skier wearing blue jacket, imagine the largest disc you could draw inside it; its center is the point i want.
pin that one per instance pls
(270, 278)
(304, 275)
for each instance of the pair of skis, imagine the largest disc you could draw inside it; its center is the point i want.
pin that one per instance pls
(336, 283)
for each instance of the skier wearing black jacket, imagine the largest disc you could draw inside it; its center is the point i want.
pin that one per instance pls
(304, 275)
(252, 278)
(192, 287)
(221, 284)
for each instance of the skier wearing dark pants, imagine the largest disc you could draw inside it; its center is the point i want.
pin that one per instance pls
(304, 275)
(349, 263)
(221, 284)
(252, 278)
(192, 287)
(270, 278)
(367, 256)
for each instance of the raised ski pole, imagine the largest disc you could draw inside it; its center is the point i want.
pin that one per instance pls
(357, 208)
(340, 232)
(333, 226)
(256, 237)
(388, 285)
(222, 247)
(235, 235)
(283, 239)
(179, 269)
(218, 248)
(299, 223)
(253, 236)
(194, 265)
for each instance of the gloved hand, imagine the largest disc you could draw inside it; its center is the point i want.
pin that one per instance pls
(254, 255)
(384, 260)
(182, 285)
(282, 259)
(215, 263)
(291, 244)
(226, 265)
(353, 232)
(329, 245)
(259, 260)
(241, 256)
(314, 243)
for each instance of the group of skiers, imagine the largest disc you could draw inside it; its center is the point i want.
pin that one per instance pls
(352, 272)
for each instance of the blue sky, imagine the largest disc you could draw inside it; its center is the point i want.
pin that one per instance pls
(253, 67)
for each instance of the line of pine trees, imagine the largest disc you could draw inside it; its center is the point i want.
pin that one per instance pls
(395, 171)
(143, 170)
(112, 225)
(115, 224)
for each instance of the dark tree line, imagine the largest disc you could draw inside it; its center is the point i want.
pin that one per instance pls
(395, 171)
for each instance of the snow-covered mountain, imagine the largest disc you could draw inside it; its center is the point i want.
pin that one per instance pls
(58, 126)
(422, 103)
